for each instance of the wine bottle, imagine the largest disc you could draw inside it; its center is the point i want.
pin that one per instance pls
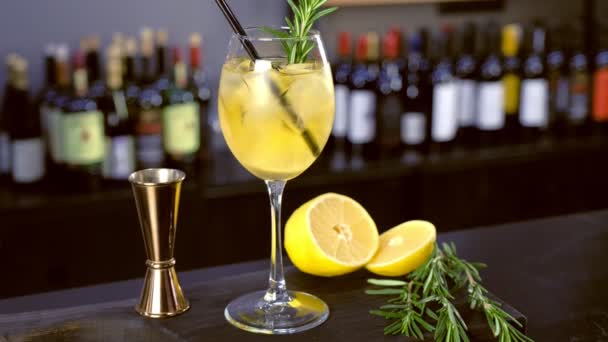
(534, 106)
(511, 80)
(444, 118)
(119, 160)
(27, 149)
(47, 93)
(580, 90)
(390, 97)
(7, 109)
(416, 117)
(490, 97)
(362, 104)
(92, 61)
(466, 73)
(181, 120)
(558, 77)
(131, 86)
(162, 77)
(148, 124)
(600, 86)
(342, 69)
(199, 85)
(82, 128)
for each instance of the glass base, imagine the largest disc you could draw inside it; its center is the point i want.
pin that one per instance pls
(299, 312)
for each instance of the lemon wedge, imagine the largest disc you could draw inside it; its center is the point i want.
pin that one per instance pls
(330, 235)
(403, 249)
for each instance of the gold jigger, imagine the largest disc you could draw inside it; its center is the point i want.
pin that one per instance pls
(157, 194)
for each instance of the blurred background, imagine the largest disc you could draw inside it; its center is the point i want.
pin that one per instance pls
(464, 113)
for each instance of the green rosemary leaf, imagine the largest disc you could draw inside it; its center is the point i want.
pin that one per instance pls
(384, 292)
(386, 282)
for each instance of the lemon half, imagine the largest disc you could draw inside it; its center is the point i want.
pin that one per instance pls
(330, 235)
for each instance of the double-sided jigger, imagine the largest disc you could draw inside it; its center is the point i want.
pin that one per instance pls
(157, 194)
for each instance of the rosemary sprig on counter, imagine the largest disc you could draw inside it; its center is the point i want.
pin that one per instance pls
(409, 307)
(305, 14)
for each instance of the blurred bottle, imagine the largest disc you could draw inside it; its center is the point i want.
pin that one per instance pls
(148, 119)
(7, 108)
(163, 80)
(199, 85)
(119, 160)
(47, 94)
(131, 85)
(580, 88)
(82, 134)
(600, 85)
(490, 97)
(54, 107)
(93, 65)
(342, 70)
(466, 73)
(362, 121)
(390, 96)
(444, 125)
(181, 120)
(27, 148)
(534, 106)
(559, 80)
(416, 117)
(511, 80)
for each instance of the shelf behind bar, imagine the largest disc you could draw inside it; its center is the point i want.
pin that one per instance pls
(388, 2)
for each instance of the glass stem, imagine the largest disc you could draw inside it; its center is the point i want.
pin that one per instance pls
(277, 290)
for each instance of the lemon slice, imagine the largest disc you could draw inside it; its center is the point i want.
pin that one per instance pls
(330, 235)
(403, 249)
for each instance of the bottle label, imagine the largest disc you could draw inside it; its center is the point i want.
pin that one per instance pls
(27, 160)
(5, 153)
(534, 111)
(413, 128)
(54, 135)
(83, 137)
(466, 103)
(362, 126)
(149, 142)
(600, 95)
(579, 97)
(511, 84)
(490, 106)
(120, 157)
(341, 117)
(445, 122)
(182, 128)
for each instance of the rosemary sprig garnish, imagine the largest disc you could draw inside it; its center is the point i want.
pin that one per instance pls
(305, 14)
(411, 314)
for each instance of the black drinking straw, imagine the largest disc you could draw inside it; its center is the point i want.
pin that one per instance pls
(253, 54)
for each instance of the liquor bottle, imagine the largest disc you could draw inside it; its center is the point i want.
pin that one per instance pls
(55, 165)
(580, 88)
(199, 85)
(162, 77)
(490, 94)
(181, 120)
(48, 92)
(600, 86)
(534, 105)
(558, 77)
(27, 149)
(390, 97)
(119, 160)
(444, 118)
(511, 80)
(417, 90)
(342, 70)
(7, 109)
(362, 121)
(131, 85)
(82, 140)
(466, 73)
(148, 126)
(92, 61)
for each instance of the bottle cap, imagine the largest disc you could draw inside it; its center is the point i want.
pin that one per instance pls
(511, 36)
(344, 44)
(361, 53)
(390, 45)
(162, 36)
(373, 46)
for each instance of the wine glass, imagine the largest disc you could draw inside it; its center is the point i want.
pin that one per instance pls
(276, 118)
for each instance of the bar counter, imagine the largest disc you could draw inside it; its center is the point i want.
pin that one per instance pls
(551, 270)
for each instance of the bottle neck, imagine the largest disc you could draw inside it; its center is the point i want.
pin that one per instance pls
(180, 75)
(92, 62)
(63, 74)
(114, 75)
(195, 58)
(81, 85)
(160, 60)
(50, 71)
(130, 68)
